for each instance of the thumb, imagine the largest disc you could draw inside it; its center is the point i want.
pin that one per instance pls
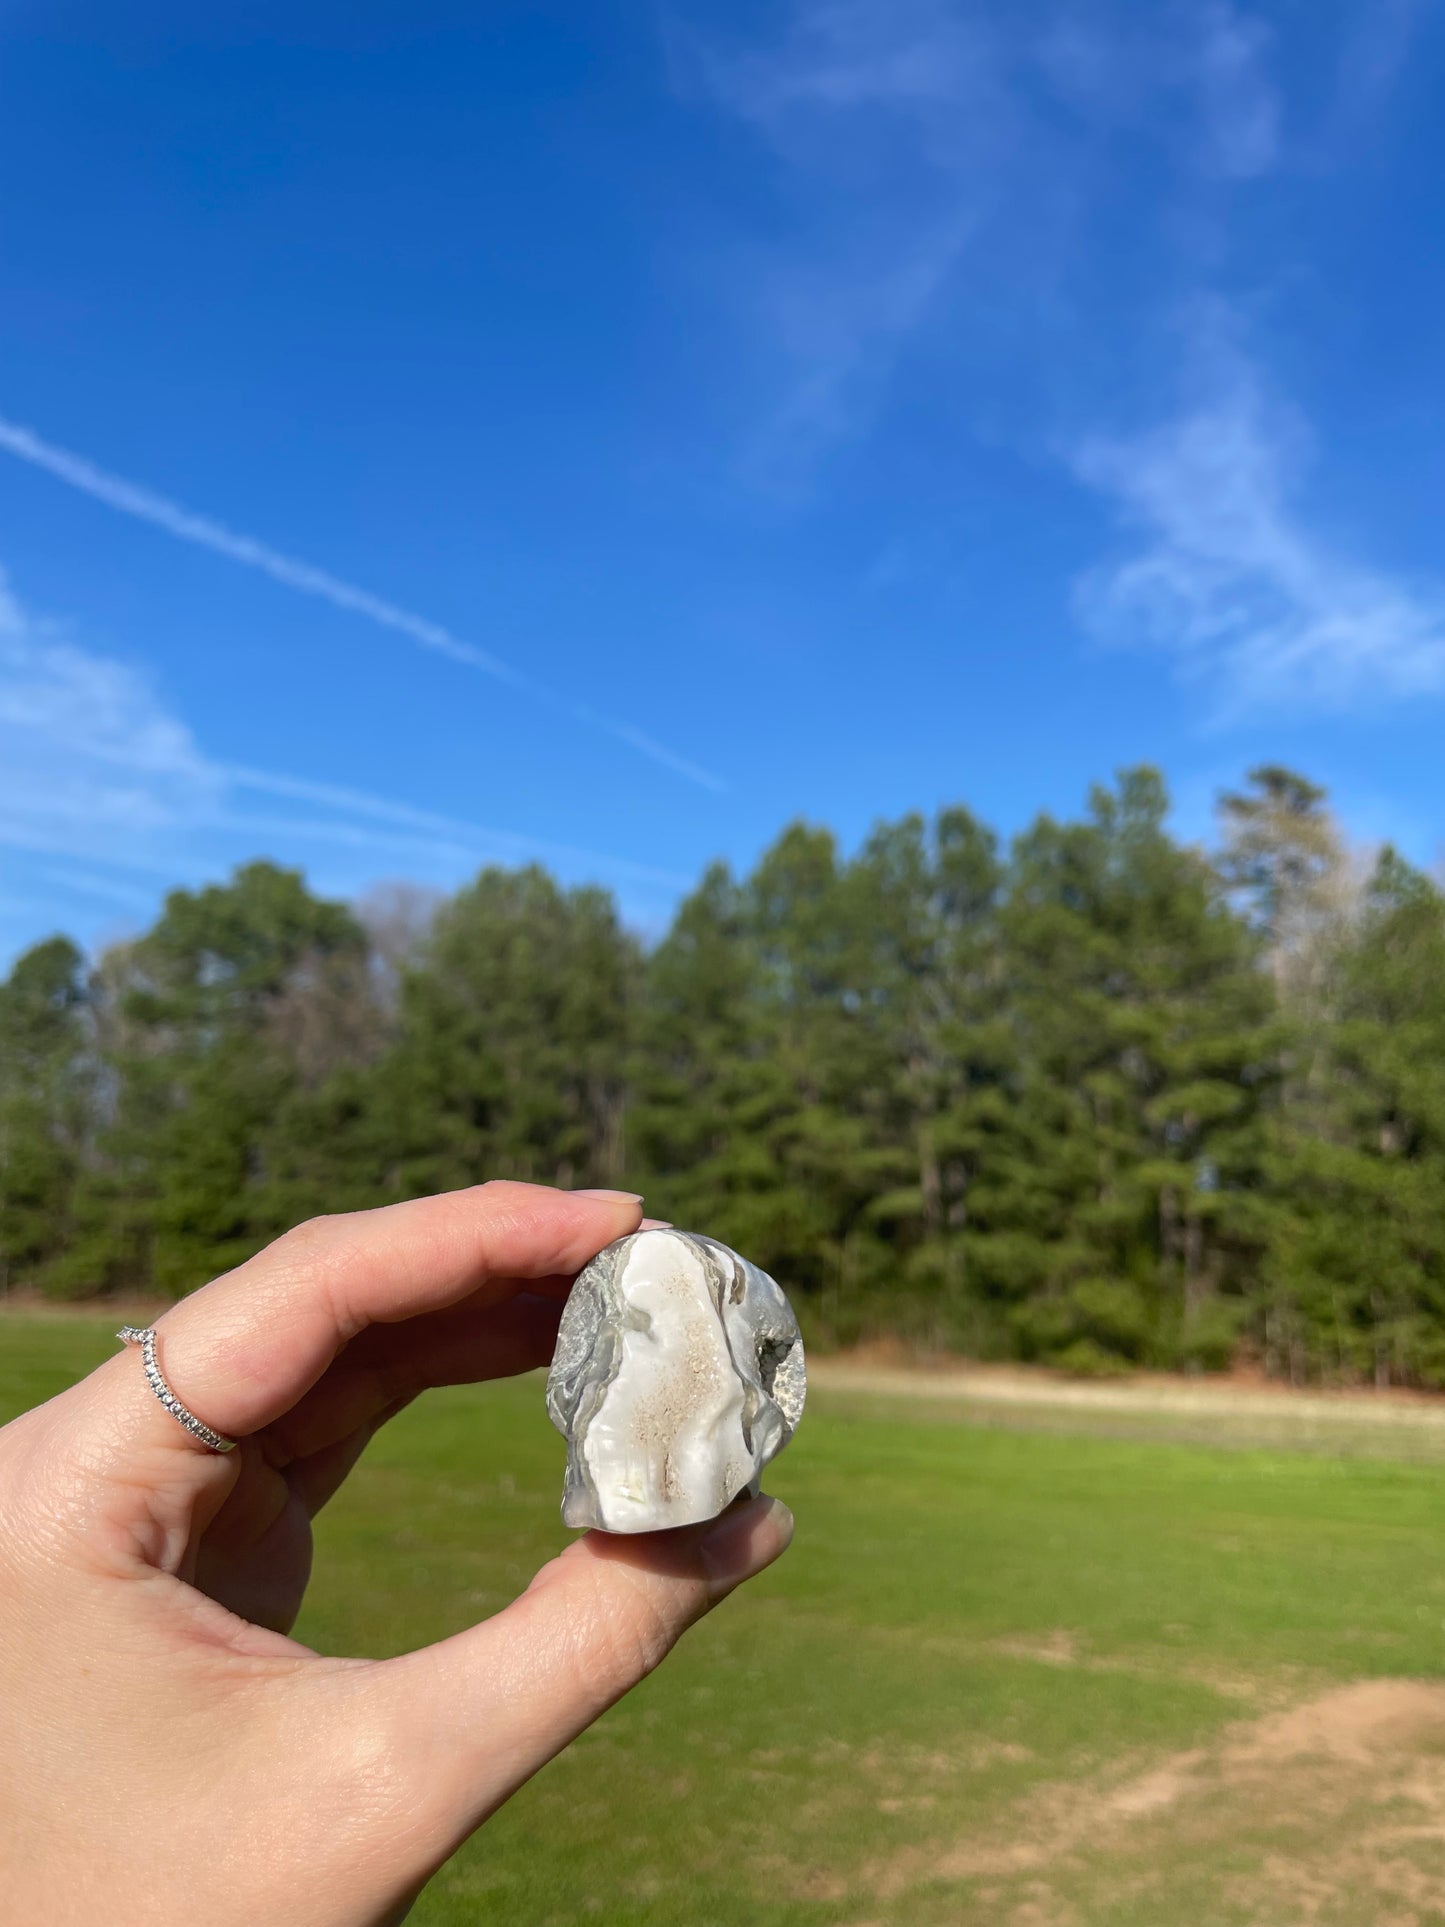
(481, 1712)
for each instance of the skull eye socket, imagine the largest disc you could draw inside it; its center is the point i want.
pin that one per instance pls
(771, 1353)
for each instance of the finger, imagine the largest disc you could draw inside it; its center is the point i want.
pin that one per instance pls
(242, 1350)
(481, 1712)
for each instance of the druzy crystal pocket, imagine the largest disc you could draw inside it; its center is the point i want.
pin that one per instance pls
(678, 1375)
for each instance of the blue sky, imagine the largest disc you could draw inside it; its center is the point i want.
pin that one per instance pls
(441, 434)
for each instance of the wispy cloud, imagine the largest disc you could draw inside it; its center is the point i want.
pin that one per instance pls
(841, 54)
(89, 758)
(1240, 106)
(1228, 572)
(1374, 47)
(918, 142)
(109, 795)
(461, 836)
(956, 84)
(877, 113)
(87, 883)
(1195, 81)
(144, 505)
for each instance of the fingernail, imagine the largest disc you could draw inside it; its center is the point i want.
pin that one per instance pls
(655, 1224)
(612, 1197)
(744, 1540)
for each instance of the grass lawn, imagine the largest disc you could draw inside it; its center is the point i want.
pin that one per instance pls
(1014, 1671)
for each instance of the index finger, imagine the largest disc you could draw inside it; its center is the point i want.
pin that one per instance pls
(241, 1351)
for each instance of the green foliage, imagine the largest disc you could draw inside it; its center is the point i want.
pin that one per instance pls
(1101, 1100)
(510, 1042)
(199, 1067)
(46, 1091)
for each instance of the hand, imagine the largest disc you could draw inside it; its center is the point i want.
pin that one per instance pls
(166, 1751)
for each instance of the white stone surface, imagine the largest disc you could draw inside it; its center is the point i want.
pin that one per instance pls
(678, 1375)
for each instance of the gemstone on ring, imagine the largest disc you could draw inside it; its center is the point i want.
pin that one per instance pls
(145, 1337)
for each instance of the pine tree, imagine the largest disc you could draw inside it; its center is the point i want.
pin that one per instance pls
(1284, 862)
(194, 1020)
(513, 1033)
(1145, 1041)
(47, 1071)
(931, 990)
(1360, 1253)
(753, 1102)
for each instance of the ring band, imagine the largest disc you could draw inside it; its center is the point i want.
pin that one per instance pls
(145, 1337)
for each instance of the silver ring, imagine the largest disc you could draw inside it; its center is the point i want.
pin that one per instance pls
(145, 1337)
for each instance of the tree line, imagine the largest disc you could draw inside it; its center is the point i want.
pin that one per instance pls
(1101, 1099)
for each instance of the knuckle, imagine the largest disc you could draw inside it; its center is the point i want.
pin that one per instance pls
(318, 1255)
(512, 1200)
(634, 1634)
(309, 1238)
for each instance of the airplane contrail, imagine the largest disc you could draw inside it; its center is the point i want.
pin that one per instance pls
(144, 505)
(407, 817)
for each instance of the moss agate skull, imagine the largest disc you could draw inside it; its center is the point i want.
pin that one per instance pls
(678, 1375)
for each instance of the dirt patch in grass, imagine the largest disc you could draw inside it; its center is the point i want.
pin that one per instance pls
(1221, 1395)
(1223, 1414)
(1329, 1810)
(1355, 1722)
(1063, 1650)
